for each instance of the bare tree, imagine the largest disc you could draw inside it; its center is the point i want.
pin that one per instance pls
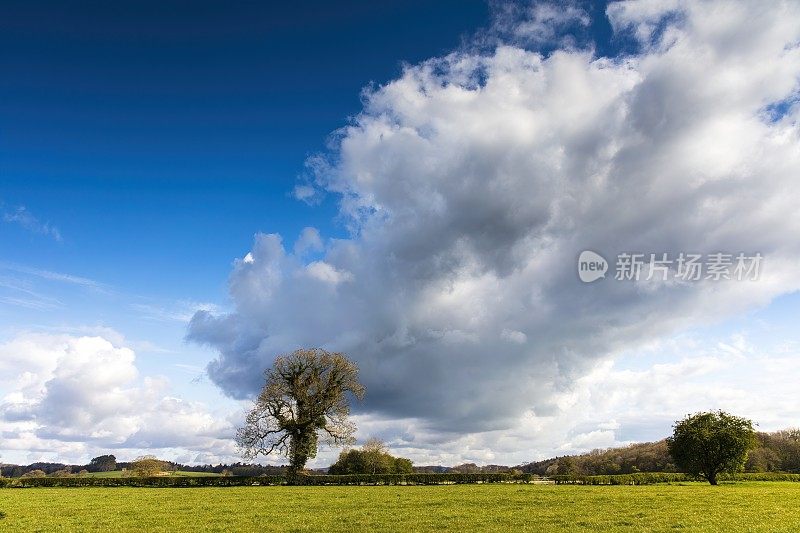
(305, 396)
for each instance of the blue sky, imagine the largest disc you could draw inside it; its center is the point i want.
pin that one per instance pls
(145, 143)
(156, 136)
(158, 139)
(149, 152)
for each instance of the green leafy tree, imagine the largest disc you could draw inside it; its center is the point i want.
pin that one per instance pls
(305, 396)
(103, 463)
(349, 462)
(403, 465)
(372, 458)
(708, 444)
(567, 466)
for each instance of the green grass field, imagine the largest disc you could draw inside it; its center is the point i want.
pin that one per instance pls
(692, 507)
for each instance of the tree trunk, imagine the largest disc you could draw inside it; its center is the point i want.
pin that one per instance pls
(712, 478)
(303, 445)
(297, 462)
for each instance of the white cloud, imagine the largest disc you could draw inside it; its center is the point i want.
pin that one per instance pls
(68, 396)
(514, 336)
(309, 241)
(472, 182)
(633, 398)
(322, 271)
(307, 194)
(538, 24)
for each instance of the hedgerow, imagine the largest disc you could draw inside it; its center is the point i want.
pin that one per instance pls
(650, 478)
(232, 481)
(641, 478)
(760, 476)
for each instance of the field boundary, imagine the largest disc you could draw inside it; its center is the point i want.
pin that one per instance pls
(241, 481)
(641, 478)
(651, 478)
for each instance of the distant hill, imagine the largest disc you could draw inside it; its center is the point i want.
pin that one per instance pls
(235, 469)
(643, 457)
(777, 452)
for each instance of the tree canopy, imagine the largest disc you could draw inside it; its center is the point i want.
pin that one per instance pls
(103, 463)
(707, 444)
(372, 458)
(305, 396)
(148, 466)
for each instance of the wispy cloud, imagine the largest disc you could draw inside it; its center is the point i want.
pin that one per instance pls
(50, 275)
(30, 303)
(181, 311)
(21, 294)
(198, 372)
(25, 219)
(27, 287)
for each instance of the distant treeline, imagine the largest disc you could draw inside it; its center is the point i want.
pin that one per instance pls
(466, 468)
(234, 469)
(776, 452)
(243, 481)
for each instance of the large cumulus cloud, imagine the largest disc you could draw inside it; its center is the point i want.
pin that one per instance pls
(69, 397)
(471, 183)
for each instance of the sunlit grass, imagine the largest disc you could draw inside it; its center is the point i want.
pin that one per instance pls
(504, 507)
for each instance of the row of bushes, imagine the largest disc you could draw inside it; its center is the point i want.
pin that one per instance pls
(650, 478)
(642, 478)
(232, 481)
(399, 479)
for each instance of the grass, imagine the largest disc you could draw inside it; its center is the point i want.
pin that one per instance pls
(753, 506)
